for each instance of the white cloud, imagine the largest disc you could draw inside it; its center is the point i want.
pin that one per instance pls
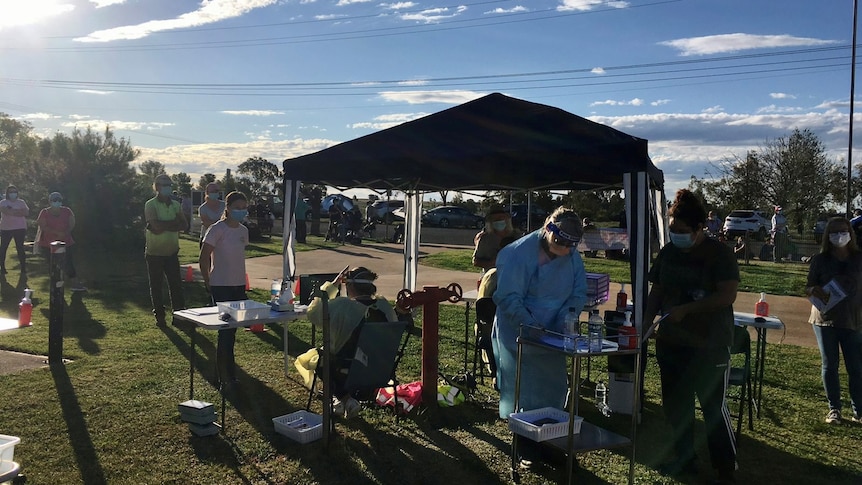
(78, 117)
(659, 102)
(211, 11)
(95, 91)
(515, 9)
(387, 121)
(254, 112)
(611, 102)
(598, 70)
(718, 44)
(38, 116)
(713, 109)
(105, 3)
(420, 97)
(330, 16)
(778, 109)
(432, 15)
(583, 5)
(202, 158)
(342, 3)
(398, 6)
(413, 82)
(100, 125)
(29, 12)
(782, 96)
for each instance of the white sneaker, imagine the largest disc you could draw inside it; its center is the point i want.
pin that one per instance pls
(834, 416)
(337, 406)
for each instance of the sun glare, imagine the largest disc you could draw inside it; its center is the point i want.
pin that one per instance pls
(14, 14)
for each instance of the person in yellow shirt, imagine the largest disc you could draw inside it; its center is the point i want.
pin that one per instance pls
(165, 220)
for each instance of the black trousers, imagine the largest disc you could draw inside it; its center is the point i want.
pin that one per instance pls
(687, 372)
(5, 238)
(225, 356)
(301, 231)
(160, 268)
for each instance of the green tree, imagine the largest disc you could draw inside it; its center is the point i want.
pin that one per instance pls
(182, 183)
(261, 176)
(19, 157)
(205, 180)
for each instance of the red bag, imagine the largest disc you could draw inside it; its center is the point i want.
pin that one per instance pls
(409, 396)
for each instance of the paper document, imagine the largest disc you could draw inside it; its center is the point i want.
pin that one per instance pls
(834, 294)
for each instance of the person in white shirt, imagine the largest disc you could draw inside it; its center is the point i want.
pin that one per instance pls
(222, 264)
(13, 225)
(779, 235)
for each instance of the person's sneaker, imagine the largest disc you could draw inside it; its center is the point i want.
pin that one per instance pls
(337, 406)
(351, 408)
(834, 416)
(856, 418)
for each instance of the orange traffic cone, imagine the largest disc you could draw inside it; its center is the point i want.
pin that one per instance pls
(247, 285)
(296, 288)
(190, 274)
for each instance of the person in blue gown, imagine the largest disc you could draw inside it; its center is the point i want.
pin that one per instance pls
(539, 277)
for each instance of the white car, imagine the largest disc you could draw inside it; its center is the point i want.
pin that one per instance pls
(738, 222)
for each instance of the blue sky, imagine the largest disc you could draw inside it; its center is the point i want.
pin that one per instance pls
(202, 85)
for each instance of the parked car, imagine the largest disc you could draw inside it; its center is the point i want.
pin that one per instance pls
(452, 216)
(519, 217)
(381, 210)
(738, 222)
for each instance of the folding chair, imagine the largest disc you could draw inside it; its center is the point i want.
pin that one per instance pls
(370, 363)
(308, 284)
(740, 376)
(485, 310)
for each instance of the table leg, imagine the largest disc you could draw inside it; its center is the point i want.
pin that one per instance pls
(759, 365)
(286, 365)
(192, 363)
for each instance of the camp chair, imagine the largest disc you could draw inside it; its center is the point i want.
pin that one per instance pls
(485, 310)
(368, 360)
(308, 284)
(740, 376)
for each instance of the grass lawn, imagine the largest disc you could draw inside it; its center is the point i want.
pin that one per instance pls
(110, 415)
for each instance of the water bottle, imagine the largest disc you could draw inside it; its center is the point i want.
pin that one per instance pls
(571, 329)
(602, 399)
(595, 331)
(274, 290)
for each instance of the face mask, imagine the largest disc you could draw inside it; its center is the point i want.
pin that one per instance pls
(682, 241)
(212, 196)
(56, 203)
(165, 191)
(238, 214)
(498, 225)
(13, 195)
(839, 239)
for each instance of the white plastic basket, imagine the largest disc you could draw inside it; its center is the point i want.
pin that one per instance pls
(244, 309)
(7, 449)
(525, 424)
(301, 426)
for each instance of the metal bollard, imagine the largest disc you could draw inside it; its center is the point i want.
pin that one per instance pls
(57, 303)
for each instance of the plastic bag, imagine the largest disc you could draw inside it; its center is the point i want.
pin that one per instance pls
(409, 396)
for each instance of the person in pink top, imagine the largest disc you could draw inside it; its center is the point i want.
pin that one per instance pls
(55, 224)
(222, 264)
(13, 225)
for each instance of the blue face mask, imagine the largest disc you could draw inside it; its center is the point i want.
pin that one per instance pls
(56, 203)
(165, 190)
(499, 225)
(238, 214)
(213, 196)
(13, 195)
(682, 241)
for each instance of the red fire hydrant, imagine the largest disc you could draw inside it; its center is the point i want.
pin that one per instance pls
(429, 298)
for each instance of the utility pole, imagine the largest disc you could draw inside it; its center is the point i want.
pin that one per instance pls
(852, 100)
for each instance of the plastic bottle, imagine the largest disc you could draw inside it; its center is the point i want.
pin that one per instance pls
(622, 298)
(595, 331)
(274, 290)
(602, 399)
(628, 333)
(761, 308)
(25, 309)
(571, 329)
(286, 298)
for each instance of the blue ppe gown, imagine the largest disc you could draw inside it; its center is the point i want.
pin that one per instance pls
(528, 293)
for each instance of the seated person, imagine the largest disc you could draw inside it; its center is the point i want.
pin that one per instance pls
(346, 316)
(590, 227)
(498, 225)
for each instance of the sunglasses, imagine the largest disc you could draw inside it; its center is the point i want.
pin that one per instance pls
(562, 238)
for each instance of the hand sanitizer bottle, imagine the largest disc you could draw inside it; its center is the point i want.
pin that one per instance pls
(761, 308)
(25, 309)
